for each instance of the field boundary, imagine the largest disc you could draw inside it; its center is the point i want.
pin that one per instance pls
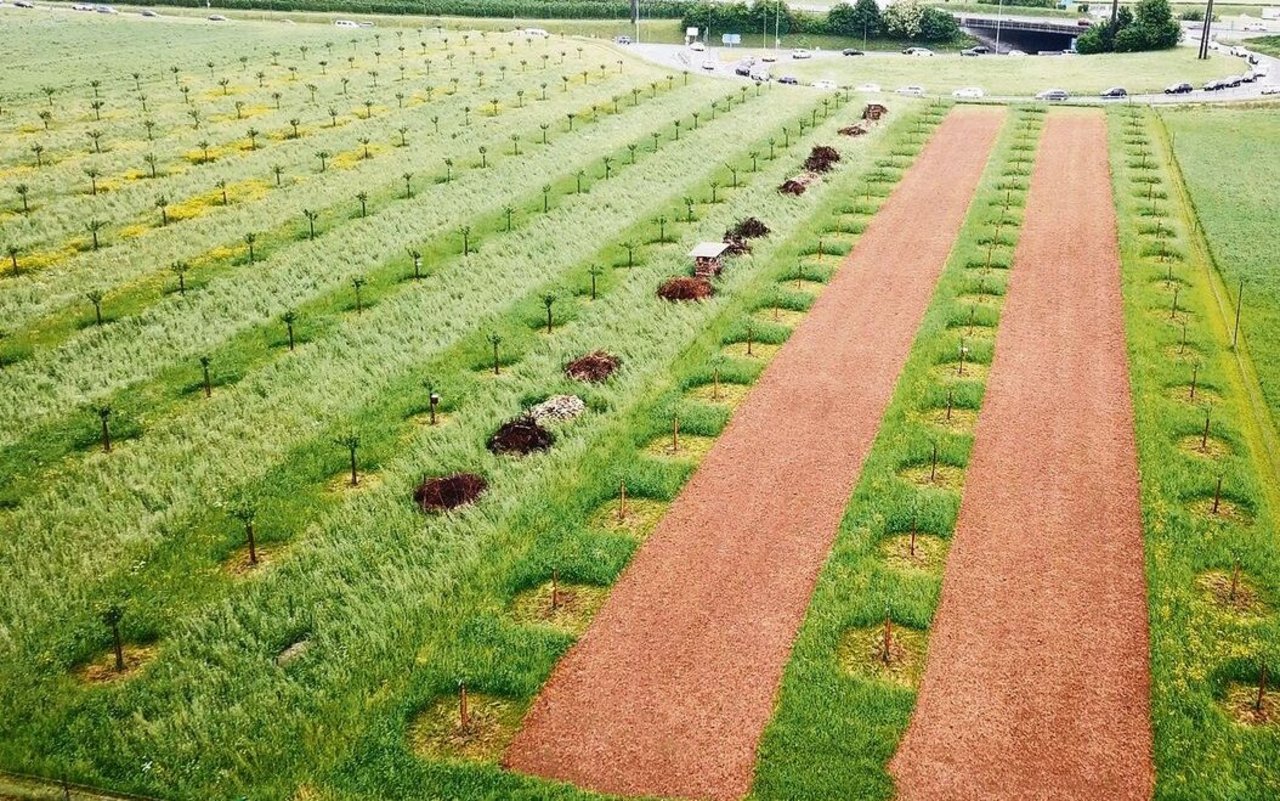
(15, 785)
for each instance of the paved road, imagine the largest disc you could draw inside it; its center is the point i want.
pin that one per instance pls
(682, 58)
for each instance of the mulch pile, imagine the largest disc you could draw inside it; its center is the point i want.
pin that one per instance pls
(737, 236)
(594, 367)
(520, 436)
(684, 288)
(557, 408)
(447, 492)
(821, 158)
(853, 130)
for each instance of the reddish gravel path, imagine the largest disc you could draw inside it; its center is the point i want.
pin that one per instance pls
(1037, 681)
(669, 690)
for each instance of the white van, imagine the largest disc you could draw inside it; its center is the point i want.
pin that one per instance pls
(536, 32)
(345, 23)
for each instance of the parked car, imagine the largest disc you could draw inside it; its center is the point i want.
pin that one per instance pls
(697, 46)
(1215, 85)
(789, 80)
(541, 33)
(622, 40)
(1113, 93)
(1256, 27)
(1239, 51)
(1178, 88)
(708, 64)
(918, 51)
(345, 23)
(849, 51)
(146, 12)
(824, 84)
(969, 93)
(1249, 77)
(1016, 52)
(868, 87)
(742, 68)
(1053, 95)
(217, 18)
(1271, 89)
(801, 54)
(910, 91)
(1085, 22)
(971, 51)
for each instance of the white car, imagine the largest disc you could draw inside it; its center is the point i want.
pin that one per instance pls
(1015, 53)
(345, 23)
(1239, 51)
(539, 32)
(1271, 89)
(697, 47)
(1254, 26)
(868, 87)
(911, 91)
(708, 64)
(768, 58)
(828, 85)
(969, 93)
(801, 54)
(918, 51)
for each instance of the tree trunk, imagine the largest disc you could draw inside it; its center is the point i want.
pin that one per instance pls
(119, 647)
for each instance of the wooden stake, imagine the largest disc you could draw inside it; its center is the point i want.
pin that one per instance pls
(950, 396)
(1262, 688)
(1204, 439)
(1195, 373)
(555, 590)
(1235, 581)
(933, 470)
(1217, 495)
(1173, 311)
(464, 712)
(622, 501)
(750, 334)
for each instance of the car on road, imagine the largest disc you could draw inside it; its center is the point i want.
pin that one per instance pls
(708, 63)
(1239, 51)
(849, 51)
(917, 51)
(969, 93)
(1178, 88)
(622, 40)
(799, 54)
(23, 4)
(697, 46)
(1254, 27)
(1053, 95)
(1113, 93)
(789, 80)
(1271, 89)
(1085, 22)
(146, 12)
(971, 51)
(769, 58)
(910, 91)
(742, 68)
(1016, 52)
(868, 87)
(217, 18)
(1215, 85)
(825, 84)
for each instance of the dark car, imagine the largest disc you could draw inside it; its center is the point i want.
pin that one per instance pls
(849, 51)
(1179, 89)
(742, 69)
(622, 40)
(790, 80)
(1115, 91)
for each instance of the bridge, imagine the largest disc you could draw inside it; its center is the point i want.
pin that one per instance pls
(1028, 33)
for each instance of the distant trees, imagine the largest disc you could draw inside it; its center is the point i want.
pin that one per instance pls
(1150, 26)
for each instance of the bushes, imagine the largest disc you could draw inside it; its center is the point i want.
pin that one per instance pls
(905, 19)
(1151, 27)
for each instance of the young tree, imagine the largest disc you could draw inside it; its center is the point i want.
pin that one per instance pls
(111, 616)
(357, 284)
(311, 222)
(95, 297)
(249, 239)
(24, 192)
(351, 441)
(180, 269)
(323, 155)
(289, 318)
(416, 257)
(12, 251)
(104, 417)
(93, 173)
(94, 226)
(38, 150)
(205, 361)
(363, 197)
(151, 162)
(495, 340)
(162, 203)
(548, 300)
(96, 138)
(465, 232)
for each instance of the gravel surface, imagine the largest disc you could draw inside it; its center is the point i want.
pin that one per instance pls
(669, 690)
(1037, 680)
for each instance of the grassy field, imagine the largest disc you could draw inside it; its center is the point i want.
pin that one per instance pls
(236, 268)
(1223, 174)
(1086, 76)
(1211, 574)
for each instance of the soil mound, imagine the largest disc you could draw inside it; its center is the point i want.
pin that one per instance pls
(821, 158)
(684, 288)
(558, 408)
(594, 367)
(447, 492)
(747, 228)
(520, 436)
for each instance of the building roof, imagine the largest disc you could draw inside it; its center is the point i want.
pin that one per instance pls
(708, 250)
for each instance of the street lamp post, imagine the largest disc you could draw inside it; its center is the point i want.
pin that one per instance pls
(999, 20)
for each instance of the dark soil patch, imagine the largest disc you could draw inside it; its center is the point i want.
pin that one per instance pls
(102, 669)
(448, 492)
(685, 288)
(520, 436)
(438, 732)
(821, 158)
(747, 228)
(594, 367)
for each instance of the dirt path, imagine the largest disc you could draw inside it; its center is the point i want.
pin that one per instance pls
(669, 690)
(1037, 682)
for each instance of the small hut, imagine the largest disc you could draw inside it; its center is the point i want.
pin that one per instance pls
(874, 111)
(707, 258)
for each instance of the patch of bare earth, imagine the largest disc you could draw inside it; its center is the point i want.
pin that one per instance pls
(1037, 681)
(668, 691)
(103, 669)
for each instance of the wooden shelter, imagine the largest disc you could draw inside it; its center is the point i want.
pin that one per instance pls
(708, 258)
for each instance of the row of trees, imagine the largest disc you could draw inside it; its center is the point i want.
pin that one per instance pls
(1150, 27)
(904, 20)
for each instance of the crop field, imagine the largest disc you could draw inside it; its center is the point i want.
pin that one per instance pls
(354, 381)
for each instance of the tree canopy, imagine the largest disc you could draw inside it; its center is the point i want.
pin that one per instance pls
(1150, 26)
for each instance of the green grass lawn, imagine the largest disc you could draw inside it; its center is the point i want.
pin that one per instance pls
(1079, 75)
(1225, 170)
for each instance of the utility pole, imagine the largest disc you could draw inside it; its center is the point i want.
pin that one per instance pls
(1204, 34)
